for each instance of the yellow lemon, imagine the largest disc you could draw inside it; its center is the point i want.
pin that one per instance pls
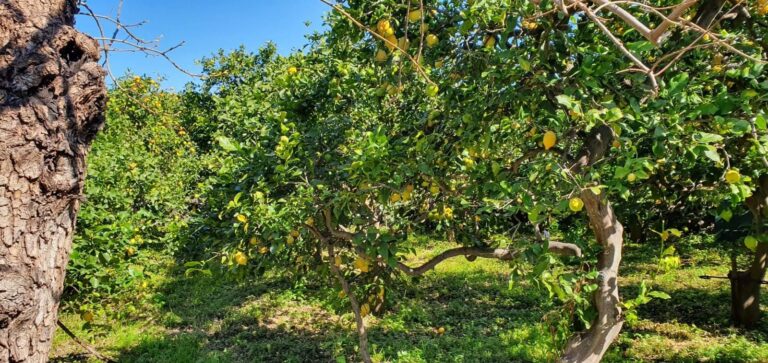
(337, 261)
(292, 70)
(631, 177)
(403, 43)
(295, 233)
(310, 221)
(383, 25)
(576, 204)
(391, 42)
(441, 330)
(432, 40)
(241, 218)
(362, 264)
(414, 16)
(394, 198)
(264, 250)
(240, 258)
(434, 189)
(732, 176)
(289, 240)
(87, 316)
(365, 309)
(448, 212)
(550, 139)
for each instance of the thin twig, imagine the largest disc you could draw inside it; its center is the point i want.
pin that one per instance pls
(85, 346)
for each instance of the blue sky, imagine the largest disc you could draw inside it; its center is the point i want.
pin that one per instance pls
(205, 26)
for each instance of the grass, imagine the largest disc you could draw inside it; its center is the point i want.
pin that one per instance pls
(270, 320)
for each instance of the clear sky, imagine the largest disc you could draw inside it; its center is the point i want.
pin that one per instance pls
(205, 26)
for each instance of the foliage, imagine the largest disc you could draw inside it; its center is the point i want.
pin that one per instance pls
(390, 153)
(142, 171)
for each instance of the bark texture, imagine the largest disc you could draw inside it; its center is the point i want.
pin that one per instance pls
(590, 346)
(52, 96)
(745, 285)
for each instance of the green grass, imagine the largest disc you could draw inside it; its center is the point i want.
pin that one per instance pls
(269, 320)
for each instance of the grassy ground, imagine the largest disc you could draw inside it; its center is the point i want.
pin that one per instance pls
(217, 320)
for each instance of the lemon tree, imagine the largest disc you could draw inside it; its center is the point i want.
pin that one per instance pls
(467, 121)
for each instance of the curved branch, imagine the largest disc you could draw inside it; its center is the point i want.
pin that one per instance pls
(559, 248)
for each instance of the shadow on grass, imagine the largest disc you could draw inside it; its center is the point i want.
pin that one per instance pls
(203, 323)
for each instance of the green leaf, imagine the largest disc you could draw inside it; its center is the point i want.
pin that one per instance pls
(227, 144)
(678, 83)
(707, 138)
(711, 153)
(760, 122)
(565, 100)
(660, 295)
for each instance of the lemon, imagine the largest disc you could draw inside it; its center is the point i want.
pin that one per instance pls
(365, 309)
(241, 259)
(550, 139)
(432, 40)
(292, 70)
(616, 144)
(576, 204)
(403, 43)
(289, 240)
(414, 16)
(295, 233)
(432, 90)
(362, 264)
(434, 189)
(264, 250)
(391, 42)
(469, 162)
(337, 261)
(750, 242)
(310, 221)
(631, 177)
(241, 218)
(394, 198)
(441, 330)
(732, 176)
(87, 316)
(383, 25)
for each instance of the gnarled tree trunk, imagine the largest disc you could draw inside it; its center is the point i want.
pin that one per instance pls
(590, 346)
(745, 285)
(52, 95)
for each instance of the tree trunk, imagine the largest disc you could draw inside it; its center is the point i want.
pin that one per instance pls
(745, 285)
(590, 346)
(52, 96)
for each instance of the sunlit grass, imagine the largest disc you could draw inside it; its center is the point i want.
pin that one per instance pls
(218, 320)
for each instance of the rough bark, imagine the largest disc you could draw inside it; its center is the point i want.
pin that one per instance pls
(590, 346)
(745, 285)
(52, 95)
